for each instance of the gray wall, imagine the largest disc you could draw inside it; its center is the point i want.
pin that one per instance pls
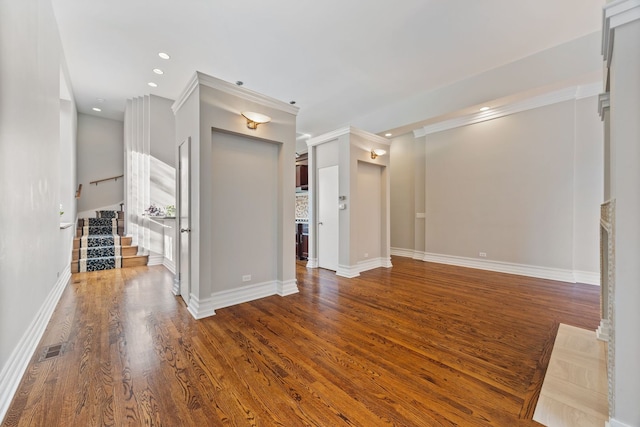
(100, 155)
(245, 213)
(524, 189)
(30, 161)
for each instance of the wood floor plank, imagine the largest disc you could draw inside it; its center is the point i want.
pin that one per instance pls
(419, 344)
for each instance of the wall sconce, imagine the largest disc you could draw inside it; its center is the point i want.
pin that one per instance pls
(255, 119)
(377, 152)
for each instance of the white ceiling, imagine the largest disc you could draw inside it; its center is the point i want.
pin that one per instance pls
(338, 59)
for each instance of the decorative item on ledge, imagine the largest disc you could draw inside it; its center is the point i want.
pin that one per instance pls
(159, 213)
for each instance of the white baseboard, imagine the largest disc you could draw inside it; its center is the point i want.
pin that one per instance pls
(176, 285)
(19, 359)
(204, 308)
(587, 277)
(615, 423)
(155, 259)
(312, 263)
(201, 309)
(570, 276)
(603, 332)
(230, 297)
(171, 266)
(286, 288)
(351, 271)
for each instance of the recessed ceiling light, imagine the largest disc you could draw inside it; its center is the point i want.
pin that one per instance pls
(158, 71)
(164, 55)
(96, 109)
(388, 134)
(152, 84)
(484, 108)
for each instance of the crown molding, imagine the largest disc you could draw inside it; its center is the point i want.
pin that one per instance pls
(615, 14)
(567, 94)
(330, 136)
(232, 89)
(603, 103)
(186, 93)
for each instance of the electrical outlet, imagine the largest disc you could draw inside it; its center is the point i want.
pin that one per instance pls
(482, 254)
(246, 278)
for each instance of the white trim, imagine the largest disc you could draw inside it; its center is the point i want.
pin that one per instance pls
(587, 277)
(604, 330)
(175, 290)
(604, 103)
(351, 271)
(615, 423)
(19, 359)
(201, 309)
(503, 267)
(289, 287)
(230, 297)
(232, 89)
(169, 264)
(186, 93)
(562, 95)
(406, 253)
(312, 262)
(615, 14)
(155, 259)
(347, 271)
(330, 136)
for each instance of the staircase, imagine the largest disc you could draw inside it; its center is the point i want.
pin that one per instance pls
(100, 245)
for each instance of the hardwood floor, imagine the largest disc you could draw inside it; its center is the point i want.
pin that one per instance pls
(419, 344)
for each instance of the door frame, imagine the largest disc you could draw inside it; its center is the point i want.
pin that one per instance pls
(183, 288)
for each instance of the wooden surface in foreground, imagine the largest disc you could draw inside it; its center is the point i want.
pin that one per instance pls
(419, 344)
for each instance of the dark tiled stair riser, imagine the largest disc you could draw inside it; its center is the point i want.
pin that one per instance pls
(100, 246)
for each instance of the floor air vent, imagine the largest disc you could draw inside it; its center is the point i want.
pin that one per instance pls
(52, 351)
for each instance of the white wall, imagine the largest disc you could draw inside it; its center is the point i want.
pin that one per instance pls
(31, 278)
(100, 155)
(523, 188)
(162, 175)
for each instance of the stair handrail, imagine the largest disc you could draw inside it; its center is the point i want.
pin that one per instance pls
(115, 178)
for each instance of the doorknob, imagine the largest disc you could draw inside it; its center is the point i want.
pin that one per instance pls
(319, 223)
(185, 230)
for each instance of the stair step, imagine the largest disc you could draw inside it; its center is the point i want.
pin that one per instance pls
(99, 230)
(106, 214)
(124, 251)
(124, 241)
(126, 261)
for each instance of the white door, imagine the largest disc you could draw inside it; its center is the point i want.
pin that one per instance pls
(328, 218)
(183, 221)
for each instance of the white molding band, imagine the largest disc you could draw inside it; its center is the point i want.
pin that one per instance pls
(330, 136)
(170, 265)
(604, 103)
(19, 359)
(200, 309)
(584, 277)
(232, 89)
(351, 271)
(155, 259)
(615, 14)
(204, 308)
(615, 423)
(567, 94)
